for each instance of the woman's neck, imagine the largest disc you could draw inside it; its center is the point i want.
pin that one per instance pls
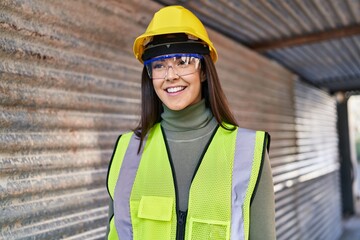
(193, 117)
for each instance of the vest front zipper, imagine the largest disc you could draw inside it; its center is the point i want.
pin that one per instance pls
(181, 223)
(180, 215)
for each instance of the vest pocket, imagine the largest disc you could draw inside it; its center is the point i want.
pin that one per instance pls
(209, 229)
(152, 217)
(155, 208)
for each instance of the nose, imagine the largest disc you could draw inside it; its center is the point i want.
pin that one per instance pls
(170, 74)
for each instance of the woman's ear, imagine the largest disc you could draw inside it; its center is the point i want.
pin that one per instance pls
(202, 76)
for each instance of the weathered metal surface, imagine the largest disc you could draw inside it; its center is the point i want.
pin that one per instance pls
(314, 174)
(69, 85)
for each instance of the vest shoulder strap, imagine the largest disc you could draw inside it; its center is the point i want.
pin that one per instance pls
(116, 161)
(261, 142)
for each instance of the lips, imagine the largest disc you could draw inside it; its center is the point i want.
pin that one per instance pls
(174, 89)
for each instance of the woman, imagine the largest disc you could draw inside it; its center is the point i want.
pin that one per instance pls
(187, 171)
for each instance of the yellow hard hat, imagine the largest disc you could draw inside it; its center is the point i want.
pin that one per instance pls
(172, 20)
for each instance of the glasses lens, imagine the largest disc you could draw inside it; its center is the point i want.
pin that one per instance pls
(181, 64)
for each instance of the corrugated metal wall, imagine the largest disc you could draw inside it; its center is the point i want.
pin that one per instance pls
(308, 190)
(69, 86)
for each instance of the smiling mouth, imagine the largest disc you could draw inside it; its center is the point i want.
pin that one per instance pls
(174, 89)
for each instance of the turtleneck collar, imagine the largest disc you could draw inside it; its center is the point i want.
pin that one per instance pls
(193, 117)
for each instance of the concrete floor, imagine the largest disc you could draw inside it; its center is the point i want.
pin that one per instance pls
(351, 230)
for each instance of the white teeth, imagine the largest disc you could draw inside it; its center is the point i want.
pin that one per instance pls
(174, 89)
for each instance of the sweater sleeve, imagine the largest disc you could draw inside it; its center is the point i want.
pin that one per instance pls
(262, 209)
(110, 215)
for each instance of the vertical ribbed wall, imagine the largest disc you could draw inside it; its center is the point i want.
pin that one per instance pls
(69, 85)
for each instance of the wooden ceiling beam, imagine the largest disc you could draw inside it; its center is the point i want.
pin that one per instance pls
(307, 39)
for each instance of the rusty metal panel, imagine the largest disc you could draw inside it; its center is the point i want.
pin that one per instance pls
(69, 85)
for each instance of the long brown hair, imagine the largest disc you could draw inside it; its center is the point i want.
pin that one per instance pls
(215, 99)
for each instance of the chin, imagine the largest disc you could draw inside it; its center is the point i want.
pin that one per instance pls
(176, 108)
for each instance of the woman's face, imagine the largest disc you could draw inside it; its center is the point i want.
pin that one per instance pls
(177, 92)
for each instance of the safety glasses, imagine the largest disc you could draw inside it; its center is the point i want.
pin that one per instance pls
(181, 64)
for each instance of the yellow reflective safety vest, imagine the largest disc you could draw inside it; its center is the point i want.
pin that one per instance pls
(144, 192)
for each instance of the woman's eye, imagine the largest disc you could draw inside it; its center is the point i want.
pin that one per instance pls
(158, 66)
(183, 61)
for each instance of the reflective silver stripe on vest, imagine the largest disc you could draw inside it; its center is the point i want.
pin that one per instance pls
(244, 153)
(123, 189)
